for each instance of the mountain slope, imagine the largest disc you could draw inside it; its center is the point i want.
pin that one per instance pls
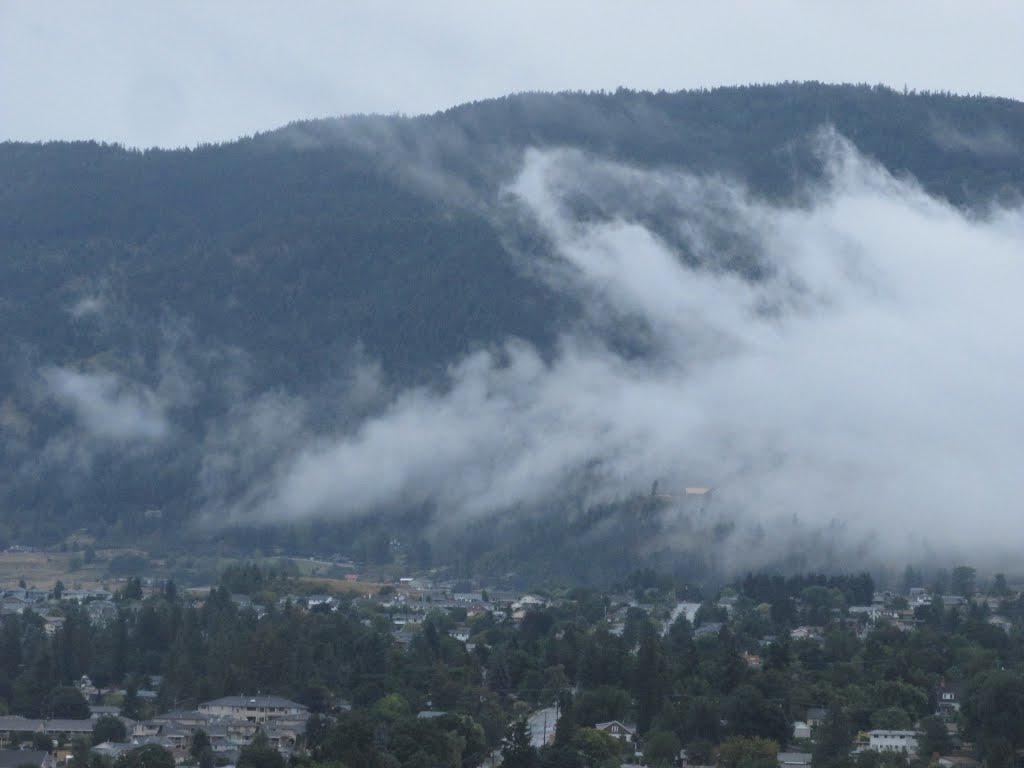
(291, 284)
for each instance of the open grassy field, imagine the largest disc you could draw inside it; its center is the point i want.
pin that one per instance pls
(42, 569)
(339, 586)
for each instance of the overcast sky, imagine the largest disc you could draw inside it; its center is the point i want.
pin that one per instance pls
(179, 73)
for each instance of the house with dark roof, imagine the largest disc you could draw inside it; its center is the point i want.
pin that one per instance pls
(254, 709)
(947, 698)
(68, 727)
(816, 716)
(17, 724)
(112, 749)
(621, 731)
(707, 630)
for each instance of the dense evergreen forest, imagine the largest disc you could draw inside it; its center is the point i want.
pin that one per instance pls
(289, 266)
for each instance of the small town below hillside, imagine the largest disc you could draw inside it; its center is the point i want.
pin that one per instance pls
(445, 434)
(262, 672)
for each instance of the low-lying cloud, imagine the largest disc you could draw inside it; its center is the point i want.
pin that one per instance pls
(870, 375)
(990, 142)
(107, 406)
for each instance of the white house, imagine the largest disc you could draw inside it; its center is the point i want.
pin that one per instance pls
(460, 633)
(801, 759)
(893, 741)
(619, 730)
(948, 703)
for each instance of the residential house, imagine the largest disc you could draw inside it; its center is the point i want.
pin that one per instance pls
(322, 601)
(52, 623)
(804, 633)
(14, 723)
(947, 699)
(794, 758)
(112, 749)
(190, 720)
(529, 600)
(81, 595)
(816, 716)
(241, 731)
(175, 739)
(727, 603)
(101, 612)
(689, 610)
(146, 729)
(801, 730)
(68, 727)
(286, 731)
(869, 612)
(907, 622)
(254, 709)
(13, 604)
(620, 730)
(893, 741)
(403, 638)
(460, 633)
(955, 761)
(712, 628)
(501, 598)
(220, 741)
(341, 704)
(1002, 622)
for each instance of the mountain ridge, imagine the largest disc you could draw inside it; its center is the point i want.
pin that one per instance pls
(280, 269)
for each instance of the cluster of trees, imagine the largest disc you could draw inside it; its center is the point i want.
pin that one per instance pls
(681, 687)
(202, 652)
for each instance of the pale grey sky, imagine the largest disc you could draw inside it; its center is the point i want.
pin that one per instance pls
(170, 74)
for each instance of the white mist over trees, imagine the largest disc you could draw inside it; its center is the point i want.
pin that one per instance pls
(869, 379)
(501, 324)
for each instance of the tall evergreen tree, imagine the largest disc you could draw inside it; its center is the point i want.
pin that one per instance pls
(516, 749)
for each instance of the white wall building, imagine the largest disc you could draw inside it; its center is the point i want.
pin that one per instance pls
(893, 741)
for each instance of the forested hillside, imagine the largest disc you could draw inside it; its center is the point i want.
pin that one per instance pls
(173, 321)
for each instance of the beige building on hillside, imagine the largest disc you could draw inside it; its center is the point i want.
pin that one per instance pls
(255, 709)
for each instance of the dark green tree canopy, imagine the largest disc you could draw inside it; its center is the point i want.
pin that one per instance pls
(109, 728)
(146, 756)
